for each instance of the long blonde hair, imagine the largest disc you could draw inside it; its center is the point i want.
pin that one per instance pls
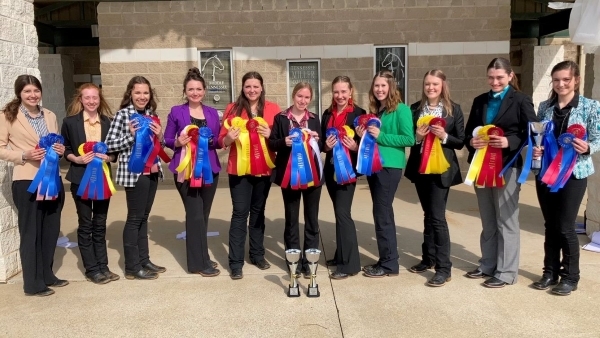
(444, 96)
(393, 98)
(76, 106)
(344, 79)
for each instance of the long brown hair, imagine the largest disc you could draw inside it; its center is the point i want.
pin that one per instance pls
(566, 65)
(193, 74)
(444, 96)
(502, 63)
(393, 98)
(76, 107)
(242, 102)
(127, 95)
(301, 85)
(11, 109)
(343, 79)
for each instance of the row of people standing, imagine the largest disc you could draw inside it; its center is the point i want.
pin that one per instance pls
(504, 106)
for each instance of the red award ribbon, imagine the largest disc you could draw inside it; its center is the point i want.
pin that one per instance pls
(492, 164)
(257, 157)
(157, 150)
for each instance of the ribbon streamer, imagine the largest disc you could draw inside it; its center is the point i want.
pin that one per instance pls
(156, 150)
(433, 160)
(253, 156)
(301, 170)
(194, 162)
(143, 144)
(95, 183)
(561, 167)
(47, 180)
(369, 160)
(344, 174)
(485, 169)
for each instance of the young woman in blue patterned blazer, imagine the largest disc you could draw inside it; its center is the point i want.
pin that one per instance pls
(566, 107)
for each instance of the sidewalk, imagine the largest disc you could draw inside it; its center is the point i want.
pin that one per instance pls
(179, 304)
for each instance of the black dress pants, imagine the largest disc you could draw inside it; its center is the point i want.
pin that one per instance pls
(91, 232)
(347, 256)
(197, 203)
(383, 186)
(560, 212)
(436, 238)
(291, 234)
(135, 233)
(249, 197)
(39, 226)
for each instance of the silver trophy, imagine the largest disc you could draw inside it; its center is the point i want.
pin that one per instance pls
(312, 256)
(293, 256)
(537, 128)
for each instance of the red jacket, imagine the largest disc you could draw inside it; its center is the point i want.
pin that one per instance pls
(270, 110)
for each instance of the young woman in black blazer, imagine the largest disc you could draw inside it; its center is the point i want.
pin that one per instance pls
(433, 189)
(88, 120)
(297, 116)
(507, 108)
(342, 112)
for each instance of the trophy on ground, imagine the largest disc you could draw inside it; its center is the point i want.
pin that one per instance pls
(312, 256)
(293, 256)
(537, 128)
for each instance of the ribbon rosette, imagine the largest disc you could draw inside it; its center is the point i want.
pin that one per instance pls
(253, 156)
(47, 179)
(369, 160)
(561, 167)
(299, 170)
(95, 183)
(147, 147)
(194, 162)
(433, 160)
(486, 165)
(342, 164)
(156, 150)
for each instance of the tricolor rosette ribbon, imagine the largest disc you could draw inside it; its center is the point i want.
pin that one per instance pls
(301, 170)
(95, 183)
(559, 171)
(486, 166)
(47, 180)
(253, 155)
(369, 160)
(194, 164)
(433, 160)
(343, 171)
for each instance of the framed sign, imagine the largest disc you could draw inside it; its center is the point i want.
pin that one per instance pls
(216, 67)
(308, 71)
(394, 59)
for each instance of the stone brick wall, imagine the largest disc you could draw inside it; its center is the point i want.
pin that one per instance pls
(592, 211)
(57, 81)
(545, 57)
(18, 55)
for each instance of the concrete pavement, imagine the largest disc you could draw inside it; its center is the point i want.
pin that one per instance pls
(179, 304)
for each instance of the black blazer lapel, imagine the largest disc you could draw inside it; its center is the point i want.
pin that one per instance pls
(80, 134)
(484, 113)
(506, 103)
(104, 126)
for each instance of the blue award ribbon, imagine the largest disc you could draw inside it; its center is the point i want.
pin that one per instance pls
(301, 173)
(202, 167)
(528, 158)
(143, 144)
(47, 179)
(550, 148)
(341, 162)
(366, 150)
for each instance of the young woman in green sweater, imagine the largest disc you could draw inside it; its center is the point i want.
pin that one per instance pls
(395, 134)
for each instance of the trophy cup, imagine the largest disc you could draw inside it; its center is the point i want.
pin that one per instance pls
(537, 128)
(293, 256)
(312, 256)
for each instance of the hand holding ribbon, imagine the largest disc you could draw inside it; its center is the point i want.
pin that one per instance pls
(156, 149)
(342, 164)
(142, 145)
(47, 179)
(433, 160)
(95, 183)
(299, 170)
(561, 167)
(369, 160)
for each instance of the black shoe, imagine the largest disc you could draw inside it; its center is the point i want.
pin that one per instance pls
(154, 268)
(143, 274)
(331, 262)
(370, 267)
(210, 272)
(438, 280)
(262, 264)
(111, 276)
(544, 283)
(340, 275)
(237, 273)
(98, 278)
(213, 263)
(475, 274)
(420, 268)
(495, 283)
(378, 272)
(564, 288)
(59, 283)
(43, 293)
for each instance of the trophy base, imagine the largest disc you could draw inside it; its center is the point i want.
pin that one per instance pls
(294, 291)
(313, 292)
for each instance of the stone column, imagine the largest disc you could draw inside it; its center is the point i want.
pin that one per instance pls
(544, 58)
(18, 55)
(57, 79)
(593, 211)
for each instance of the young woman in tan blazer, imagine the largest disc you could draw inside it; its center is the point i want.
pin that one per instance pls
(22, 123)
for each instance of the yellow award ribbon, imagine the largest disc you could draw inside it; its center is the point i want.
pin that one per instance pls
(263, 144)
(477, 161)
(242, 146)
(184, 163)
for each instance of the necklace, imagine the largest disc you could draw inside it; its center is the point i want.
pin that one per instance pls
(566, 118)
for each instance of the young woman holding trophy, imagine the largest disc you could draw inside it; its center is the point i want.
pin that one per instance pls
(191, 132)
(296, 137)
(571, 126)
(245, 130)
(341, 186)
(84, 130)
(433, 167)
(497, 128)
(392, 131)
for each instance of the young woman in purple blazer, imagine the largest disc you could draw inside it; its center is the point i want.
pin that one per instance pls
(197, 201)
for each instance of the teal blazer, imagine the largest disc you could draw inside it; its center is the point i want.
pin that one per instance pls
(587, 114)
